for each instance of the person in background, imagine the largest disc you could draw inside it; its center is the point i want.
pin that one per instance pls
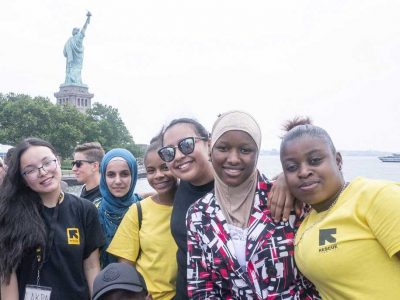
(235, 249)
(9, 154)
(144, 239)
(185, 150)
(3, 170)
(86, 167)
(4, 163)
(48, 238)
(117, 183)
(120, 281)
(349, 244)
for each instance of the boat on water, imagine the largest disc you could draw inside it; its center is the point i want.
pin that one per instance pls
(391, 158)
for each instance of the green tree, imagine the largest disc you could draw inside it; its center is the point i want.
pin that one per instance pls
(112, 130)
(68, 128)
(22, 116)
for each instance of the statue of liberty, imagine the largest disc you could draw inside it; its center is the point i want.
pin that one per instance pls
(73, 51)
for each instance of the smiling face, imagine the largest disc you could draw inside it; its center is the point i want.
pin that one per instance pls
(193, 167)
(234, 157)
(311, 169)
(158, 175)
(48, 179)
(118, 177)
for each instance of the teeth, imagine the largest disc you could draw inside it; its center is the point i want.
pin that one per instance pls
(232, 171)
(46, 181)
(183, 166)
(161, 185)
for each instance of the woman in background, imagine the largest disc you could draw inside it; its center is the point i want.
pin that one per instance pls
(144, 237)
(349, 245)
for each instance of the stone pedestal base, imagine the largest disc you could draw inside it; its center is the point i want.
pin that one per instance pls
(75, 95)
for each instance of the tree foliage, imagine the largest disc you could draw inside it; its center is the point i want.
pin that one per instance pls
(22, 116)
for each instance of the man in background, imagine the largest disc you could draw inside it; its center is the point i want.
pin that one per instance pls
(86, 167)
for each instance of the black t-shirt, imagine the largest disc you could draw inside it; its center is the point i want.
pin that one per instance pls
(77, 233)
(185, 196)
(92, 194)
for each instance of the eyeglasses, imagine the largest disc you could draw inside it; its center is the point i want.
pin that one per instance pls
(186, 146)
(33, 173)
(78, 163)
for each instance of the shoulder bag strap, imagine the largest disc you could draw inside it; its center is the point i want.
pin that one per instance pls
(139, 211)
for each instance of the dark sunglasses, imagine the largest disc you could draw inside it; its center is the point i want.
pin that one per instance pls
(78, 163)
(186, 146)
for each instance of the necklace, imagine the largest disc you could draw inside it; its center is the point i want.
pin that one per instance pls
(336, 197)
(61, 198)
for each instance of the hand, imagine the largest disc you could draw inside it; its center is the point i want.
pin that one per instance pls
(280, 200)
(299, 207)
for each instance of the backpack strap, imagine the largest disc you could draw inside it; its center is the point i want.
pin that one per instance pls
(139, 211)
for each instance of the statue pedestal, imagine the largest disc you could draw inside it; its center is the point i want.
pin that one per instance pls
(75, 95)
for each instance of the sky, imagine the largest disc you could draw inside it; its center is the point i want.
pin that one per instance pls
(337, 62)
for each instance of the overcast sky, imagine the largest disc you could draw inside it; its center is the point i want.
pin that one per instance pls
(335, 61)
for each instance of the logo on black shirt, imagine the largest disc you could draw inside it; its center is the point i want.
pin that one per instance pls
(73, 236)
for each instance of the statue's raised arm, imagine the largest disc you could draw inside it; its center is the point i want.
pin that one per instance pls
(73, 52)
(88, 15)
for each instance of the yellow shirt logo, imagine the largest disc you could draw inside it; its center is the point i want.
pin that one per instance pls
(73, 236)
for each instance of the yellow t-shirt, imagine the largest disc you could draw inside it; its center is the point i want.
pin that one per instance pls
(157, 260)
(349, 251)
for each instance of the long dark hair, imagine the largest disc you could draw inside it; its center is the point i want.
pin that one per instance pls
(21, 227)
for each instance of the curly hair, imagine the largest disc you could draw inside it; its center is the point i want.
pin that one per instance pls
(22, 227)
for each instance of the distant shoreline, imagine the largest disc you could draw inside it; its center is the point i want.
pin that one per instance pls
(274, 152)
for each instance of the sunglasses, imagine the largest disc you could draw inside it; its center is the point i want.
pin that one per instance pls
(186, 146)
(78, 163)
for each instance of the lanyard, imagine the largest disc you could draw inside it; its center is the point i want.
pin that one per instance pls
(43, 256)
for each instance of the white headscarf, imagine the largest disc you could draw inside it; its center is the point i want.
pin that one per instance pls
(236, 202)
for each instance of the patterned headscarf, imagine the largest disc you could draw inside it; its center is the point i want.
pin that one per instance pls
(112, 209)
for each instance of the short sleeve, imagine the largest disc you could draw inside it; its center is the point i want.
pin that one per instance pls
(94, 237)
(126, 242)
(383, 217)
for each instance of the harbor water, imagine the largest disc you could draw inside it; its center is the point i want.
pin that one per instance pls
(353, 166)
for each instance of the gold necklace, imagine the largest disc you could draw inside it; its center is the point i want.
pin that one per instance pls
(324, 217)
